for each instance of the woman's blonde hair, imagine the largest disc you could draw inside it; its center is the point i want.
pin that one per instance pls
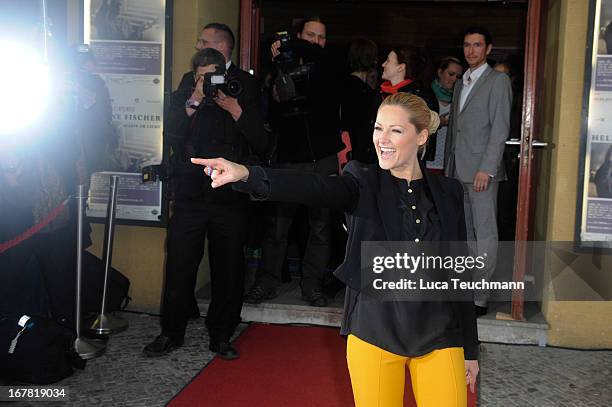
(419, 113)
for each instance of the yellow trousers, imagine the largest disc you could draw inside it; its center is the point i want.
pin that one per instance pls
(378, 376)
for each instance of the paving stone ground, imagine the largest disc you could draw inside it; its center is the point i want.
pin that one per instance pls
(525, 376)
(522, 376)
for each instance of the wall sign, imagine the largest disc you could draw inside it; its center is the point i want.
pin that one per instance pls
(128, 39)
(594, 212)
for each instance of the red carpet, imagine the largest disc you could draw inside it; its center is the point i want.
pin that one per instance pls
(280, 366)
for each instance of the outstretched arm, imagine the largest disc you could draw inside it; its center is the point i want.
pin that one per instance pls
(339, 192)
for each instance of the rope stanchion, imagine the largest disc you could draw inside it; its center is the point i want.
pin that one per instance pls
(9, 244)
(84, 347)
(106, 324)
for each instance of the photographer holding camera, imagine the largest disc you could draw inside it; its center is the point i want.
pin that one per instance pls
(305, 118)
(213, 113)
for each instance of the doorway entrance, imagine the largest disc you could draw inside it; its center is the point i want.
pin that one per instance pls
(436, 27)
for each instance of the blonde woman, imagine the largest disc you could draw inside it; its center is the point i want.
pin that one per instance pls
(393, 200)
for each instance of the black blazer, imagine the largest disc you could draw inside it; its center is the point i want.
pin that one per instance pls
(212, 132)
(369, 198)
(214, 128)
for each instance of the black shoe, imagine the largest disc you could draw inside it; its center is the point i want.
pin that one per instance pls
(315, 297)
(224, 350)
(480, 311)
(162, 345)
(258, 294)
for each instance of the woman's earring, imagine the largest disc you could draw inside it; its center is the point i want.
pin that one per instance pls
(423, 151)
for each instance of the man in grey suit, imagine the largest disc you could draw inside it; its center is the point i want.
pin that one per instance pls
(478, 129)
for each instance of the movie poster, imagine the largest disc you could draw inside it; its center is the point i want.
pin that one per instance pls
(596, 185)
(126, 38)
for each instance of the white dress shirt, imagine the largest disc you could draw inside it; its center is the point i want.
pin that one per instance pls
(469, 80)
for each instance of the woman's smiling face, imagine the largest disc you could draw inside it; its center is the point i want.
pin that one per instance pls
(396, 139)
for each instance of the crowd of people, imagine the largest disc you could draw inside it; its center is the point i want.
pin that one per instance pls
(427, 163)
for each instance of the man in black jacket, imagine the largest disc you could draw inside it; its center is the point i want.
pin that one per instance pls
(199, 124)
(308, 139)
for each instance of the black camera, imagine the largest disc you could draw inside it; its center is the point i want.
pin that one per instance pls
(213, 82)
(286, 53)
(294, 76)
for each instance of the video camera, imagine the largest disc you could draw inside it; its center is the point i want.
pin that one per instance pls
(294, 74)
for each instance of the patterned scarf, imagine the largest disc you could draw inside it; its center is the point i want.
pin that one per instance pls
(443, 95)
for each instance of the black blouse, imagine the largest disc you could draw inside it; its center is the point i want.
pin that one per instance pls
(420, 221)
(380, 322)
(405, 328)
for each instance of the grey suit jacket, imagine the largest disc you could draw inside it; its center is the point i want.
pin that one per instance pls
(478, 133)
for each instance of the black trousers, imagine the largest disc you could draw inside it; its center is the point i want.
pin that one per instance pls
(318, 246)
(225, 227)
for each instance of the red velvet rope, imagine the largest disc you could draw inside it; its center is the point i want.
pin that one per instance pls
(34, 229)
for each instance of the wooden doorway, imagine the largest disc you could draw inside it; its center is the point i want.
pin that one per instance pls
(534, 68)
(250, 31)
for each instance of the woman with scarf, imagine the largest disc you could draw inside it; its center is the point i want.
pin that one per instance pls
(403, 71)
(449, 70)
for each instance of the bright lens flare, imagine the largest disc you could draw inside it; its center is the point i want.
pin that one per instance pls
(24, 87)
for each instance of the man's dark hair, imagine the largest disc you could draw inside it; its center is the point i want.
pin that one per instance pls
(225, 32)
(479, 30)
(362, 55)
(208, 56)
(302, 23)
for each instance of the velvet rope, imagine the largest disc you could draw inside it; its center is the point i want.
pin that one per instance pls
(34, 229)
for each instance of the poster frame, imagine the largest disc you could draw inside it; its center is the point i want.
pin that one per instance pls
(582, 246)
(163, 219)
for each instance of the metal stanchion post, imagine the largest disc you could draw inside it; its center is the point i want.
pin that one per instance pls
(106, 324)
(85, 348)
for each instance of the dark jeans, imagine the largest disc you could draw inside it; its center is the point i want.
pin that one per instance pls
(274, 244)
(226, 229)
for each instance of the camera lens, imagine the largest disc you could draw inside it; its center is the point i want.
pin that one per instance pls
(234, 87)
